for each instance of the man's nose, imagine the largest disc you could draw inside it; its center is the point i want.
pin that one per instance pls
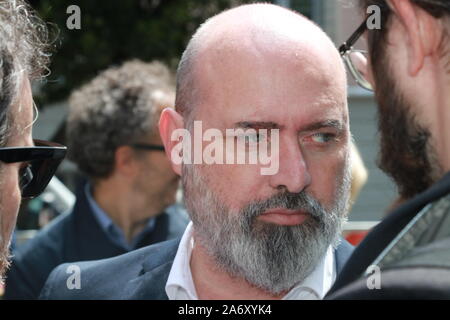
(293, 174)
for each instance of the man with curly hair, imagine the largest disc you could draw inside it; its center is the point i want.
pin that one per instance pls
(129, 202)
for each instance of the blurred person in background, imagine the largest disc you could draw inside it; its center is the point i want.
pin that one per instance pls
(26, 166)
(129, 201)
(408, 68)
(359, 174)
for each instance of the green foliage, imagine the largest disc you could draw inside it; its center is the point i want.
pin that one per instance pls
(114, 31)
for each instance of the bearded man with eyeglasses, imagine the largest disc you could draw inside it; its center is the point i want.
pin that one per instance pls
(408, 68)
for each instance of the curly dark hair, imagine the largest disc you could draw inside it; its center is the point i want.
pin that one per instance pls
(118, 107)
(23, 53)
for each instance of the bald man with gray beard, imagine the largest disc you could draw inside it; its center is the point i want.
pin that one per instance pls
(256, 67)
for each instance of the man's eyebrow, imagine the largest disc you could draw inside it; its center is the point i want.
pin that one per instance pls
(335, 124)
(257, 125)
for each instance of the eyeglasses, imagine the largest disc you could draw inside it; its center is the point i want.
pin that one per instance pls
(356, 60)
(41, 162)
(148, 147)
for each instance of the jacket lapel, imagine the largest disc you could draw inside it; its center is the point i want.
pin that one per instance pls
(342, 254)
(89, 239)
(151, 281)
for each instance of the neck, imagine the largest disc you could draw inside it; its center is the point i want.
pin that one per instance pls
(128, 209)
(441, 134)
(212, 283)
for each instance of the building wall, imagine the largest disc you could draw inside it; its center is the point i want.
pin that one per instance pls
(379, 192)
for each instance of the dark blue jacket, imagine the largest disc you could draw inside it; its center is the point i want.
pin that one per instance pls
(138, 275)
(76, 236)
(382, 235)
(407, 283)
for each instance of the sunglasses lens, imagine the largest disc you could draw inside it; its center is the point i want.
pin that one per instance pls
(40, 172)
(25, 176)
(39, 164)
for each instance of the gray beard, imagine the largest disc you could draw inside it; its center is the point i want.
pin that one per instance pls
(270, 257)
(4, 263)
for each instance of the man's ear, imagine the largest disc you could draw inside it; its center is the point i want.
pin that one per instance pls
(423, 32)
(169, 123)
(124, 161)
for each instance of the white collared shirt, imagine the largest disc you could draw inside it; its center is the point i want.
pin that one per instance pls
(180, 285)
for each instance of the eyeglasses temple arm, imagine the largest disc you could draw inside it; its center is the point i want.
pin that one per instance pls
(353, 38)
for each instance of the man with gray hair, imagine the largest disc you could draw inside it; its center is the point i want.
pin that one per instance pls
(26, 166)
(268, 77)
(129, 202)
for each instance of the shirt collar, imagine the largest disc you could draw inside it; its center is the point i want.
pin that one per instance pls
(180, 285)
(114, 233)
(317, 284)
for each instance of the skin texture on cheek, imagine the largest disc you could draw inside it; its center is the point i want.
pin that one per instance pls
(9, 206)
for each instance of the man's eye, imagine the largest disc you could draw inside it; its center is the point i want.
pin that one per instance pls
(321, 137)
(254, 138)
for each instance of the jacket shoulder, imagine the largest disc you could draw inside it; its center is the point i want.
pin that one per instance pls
(106, 278)
(423, 273)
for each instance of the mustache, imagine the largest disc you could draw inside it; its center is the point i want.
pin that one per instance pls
(285, 200)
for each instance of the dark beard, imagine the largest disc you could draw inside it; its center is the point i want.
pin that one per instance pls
(406, 154)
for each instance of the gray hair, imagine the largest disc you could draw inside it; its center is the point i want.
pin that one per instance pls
(118, 107)
(23, 53)
(186, 92)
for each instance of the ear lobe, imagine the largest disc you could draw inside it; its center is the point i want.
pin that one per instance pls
(170, 121)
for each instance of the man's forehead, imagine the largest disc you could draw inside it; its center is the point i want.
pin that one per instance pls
(261, 75)
(265, 35)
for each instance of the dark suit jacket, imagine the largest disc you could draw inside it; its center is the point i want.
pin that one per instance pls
(138, 275)
(76, 236)
(380, 237)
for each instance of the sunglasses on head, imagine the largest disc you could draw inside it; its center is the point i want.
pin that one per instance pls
(40, 164)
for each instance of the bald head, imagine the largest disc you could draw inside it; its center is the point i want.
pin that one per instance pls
(272, 73)
(253, 37)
